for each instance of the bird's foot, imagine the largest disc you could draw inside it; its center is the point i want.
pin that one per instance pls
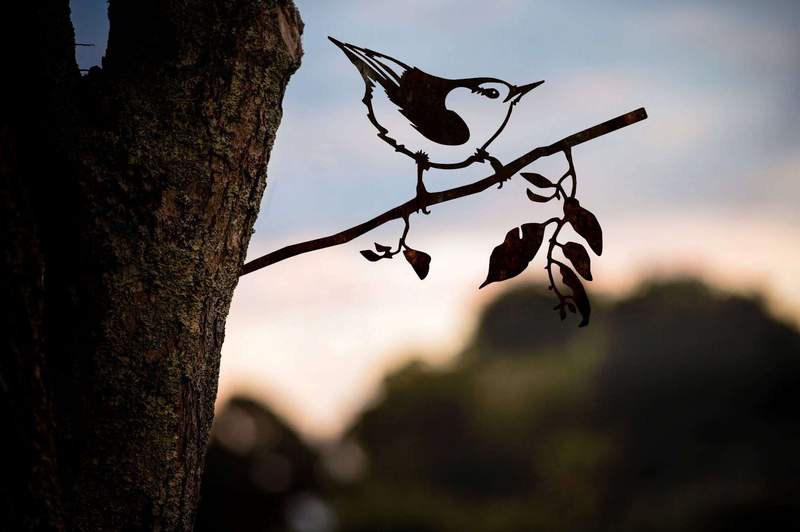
(421, 202)
(481, 155)
(422, 159)
(422, 198)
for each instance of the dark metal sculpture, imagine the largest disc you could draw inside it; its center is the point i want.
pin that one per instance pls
(420, 97)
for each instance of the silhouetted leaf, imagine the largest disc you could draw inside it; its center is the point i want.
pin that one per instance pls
(370, 255)
(538, 198)
(584, 223)
(537, 180)
(510, 258)
(382, 248)
(419, 260)
(579, 258)
(571, 307)
(578, 293)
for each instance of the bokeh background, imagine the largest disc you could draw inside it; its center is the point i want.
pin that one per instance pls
(355, 397)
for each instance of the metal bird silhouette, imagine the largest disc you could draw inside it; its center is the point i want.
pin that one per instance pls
(424, 100)
(421, 98)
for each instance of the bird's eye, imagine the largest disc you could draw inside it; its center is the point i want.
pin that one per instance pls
(489, 92)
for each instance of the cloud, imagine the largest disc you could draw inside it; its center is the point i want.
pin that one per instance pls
(736, 36)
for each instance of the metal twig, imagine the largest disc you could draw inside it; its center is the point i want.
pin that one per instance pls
(406, 209)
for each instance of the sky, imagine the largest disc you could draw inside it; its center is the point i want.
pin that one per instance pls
(708, 185)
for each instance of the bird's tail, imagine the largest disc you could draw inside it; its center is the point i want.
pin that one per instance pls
(374, 67)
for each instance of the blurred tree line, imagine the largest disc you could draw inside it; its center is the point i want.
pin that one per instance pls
(674, 410)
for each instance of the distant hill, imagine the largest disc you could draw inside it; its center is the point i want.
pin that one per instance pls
(675, 410)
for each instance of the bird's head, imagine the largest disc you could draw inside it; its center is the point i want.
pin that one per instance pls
(498, 90)
(493, 97)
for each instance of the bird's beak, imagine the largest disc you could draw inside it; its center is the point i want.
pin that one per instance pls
(521, 90)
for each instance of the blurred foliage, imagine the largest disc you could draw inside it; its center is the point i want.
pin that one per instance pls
(260, 476)
(674, 410)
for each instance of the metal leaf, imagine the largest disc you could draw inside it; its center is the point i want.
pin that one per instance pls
(419, 260)
(510, 258)
(370, 255)
(578, 293)
(537, 180)
(382, 248)
(538, 198)
(579, 258)
(585, 224)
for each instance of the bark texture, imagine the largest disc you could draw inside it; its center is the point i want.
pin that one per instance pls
(127, 200)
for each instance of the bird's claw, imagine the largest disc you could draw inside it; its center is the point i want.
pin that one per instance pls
(421, 196)
(481, 155)
(423, 161)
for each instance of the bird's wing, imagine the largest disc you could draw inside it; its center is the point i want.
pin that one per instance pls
(419, 96)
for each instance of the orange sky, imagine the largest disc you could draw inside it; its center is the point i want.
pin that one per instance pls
(314, 336)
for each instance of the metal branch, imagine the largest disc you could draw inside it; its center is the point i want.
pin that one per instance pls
(406, 209)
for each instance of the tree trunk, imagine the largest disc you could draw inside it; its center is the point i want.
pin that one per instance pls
(127, 200)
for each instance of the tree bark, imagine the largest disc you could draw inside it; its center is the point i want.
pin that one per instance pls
(127, 200)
